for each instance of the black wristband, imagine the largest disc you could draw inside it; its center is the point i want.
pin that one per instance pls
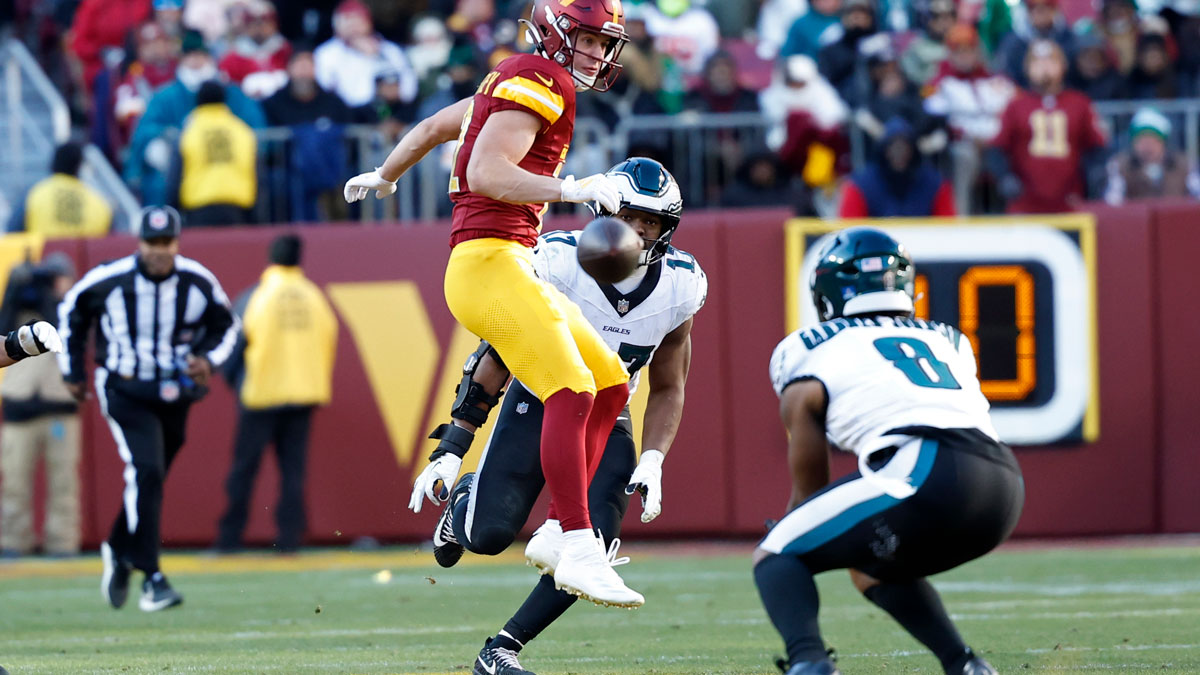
(12, 346)
(455, 440)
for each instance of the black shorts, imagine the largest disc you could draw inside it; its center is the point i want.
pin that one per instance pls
(509, 478)
(969, 494)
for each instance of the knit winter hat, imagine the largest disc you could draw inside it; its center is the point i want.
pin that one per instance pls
(1149, 119)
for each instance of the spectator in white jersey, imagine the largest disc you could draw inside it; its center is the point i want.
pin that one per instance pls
(349, 61)
(934, 488)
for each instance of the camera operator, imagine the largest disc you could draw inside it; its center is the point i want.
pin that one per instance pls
(40, 421)
(164, 324)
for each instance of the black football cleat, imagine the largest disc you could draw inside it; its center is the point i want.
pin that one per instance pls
(822, 667)
(976, 666)
(114, 584)
(446, 549)
(825, 666)
(498, 661)
(157, 594)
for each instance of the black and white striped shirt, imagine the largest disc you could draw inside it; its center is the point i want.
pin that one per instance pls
(146, 327)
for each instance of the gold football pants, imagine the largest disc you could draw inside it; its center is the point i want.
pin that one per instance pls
(543, 337)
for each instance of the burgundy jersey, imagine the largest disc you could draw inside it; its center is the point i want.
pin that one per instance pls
(1045, 138)
(535, 85)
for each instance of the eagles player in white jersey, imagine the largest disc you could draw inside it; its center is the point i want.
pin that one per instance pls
(934, 487)
(647, 320)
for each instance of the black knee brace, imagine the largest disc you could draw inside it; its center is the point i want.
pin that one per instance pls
(470, 393)
(454, 439)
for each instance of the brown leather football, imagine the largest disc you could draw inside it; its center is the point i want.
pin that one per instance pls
(609, 249)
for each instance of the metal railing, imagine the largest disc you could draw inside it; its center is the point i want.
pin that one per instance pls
(1183, 113)
(704, 151)
(421, 193)
(34, 120)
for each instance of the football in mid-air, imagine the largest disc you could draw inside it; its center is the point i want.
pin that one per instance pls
(609, 250)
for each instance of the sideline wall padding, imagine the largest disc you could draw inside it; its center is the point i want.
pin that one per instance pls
(727, 471)
(1178, 365)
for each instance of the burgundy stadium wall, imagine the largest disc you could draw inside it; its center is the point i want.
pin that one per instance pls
(726, 473)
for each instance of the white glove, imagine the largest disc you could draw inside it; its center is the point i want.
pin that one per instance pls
(358, 187)
(647, 479)
(594, 188)
(39, 338)
(444, 469)
(158, 155)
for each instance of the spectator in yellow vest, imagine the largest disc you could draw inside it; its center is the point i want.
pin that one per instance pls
(214, 176)
(283, 372)
(61, 205)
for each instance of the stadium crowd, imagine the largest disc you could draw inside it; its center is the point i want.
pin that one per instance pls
(873, 107)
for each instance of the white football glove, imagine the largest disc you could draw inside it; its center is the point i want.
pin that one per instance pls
(647, 479)
(38, 338)
(358, 187)
(444, 469)
(158, 155)
(594, 188)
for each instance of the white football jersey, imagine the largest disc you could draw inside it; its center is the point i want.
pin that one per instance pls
(882, 373)
(633, 323)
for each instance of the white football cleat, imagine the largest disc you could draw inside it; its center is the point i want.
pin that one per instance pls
(584, 569)
(545, 547)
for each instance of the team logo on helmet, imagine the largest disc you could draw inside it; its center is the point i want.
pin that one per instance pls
(646, 185)
(861, 271)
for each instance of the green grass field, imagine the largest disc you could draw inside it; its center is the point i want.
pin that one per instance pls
(1113, 609)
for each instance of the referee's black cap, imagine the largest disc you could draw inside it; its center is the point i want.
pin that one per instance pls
(159, 222)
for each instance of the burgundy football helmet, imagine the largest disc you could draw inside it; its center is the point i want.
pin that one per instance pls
(555, 26)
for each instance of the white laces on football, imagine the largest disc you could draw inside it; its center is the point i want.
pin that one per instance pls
(613, 547)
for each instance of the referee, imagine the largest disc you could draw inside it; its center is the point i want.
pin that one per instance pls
(163, 325)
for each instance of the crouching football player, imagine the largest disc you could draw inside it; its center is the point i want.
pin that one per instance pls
(934, 487)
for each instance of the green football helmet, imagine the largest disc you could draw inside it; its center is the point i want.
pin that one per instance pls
(646, 185)
(862, 270)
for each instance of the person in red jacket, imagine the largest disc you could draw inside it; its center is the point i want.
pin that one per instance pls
(1044, 134)
(101, 25)
(157, 58)
(257, 60)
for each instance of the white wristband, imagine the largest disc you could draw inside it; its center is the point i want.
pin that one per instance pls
(378, 169)
(652, 456)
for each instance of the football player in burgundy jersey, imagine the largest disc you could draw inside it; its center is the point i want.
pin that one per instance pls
(513, 136)
(1044, 133)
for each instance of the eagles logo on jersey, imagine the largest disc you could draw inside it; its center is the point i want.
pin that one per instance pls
(633, 323)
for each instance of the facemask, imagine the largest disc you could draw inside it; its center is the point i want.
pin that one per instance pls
(192, 78)
(1154, 172)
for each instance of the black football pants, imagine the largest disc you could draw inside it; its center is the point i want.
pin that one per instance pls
(285, 427)
(149, 436)
(509, 478)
